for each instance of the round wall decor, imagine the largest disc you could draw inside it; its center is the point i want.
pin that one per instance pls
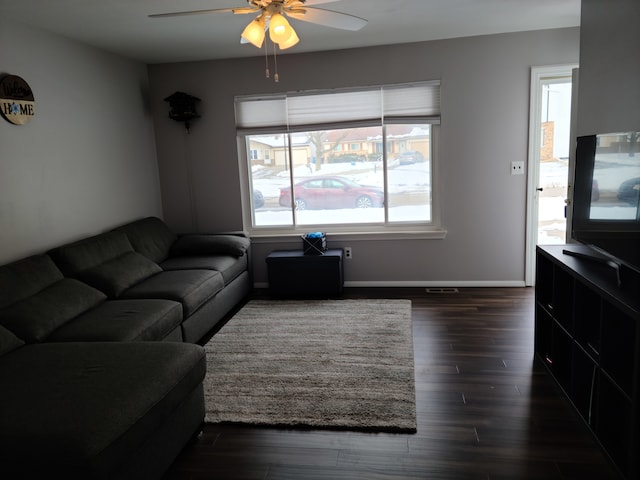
(17, 104)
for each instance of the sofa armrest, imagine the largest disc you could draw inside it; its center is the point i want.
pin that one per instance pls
(210, 244)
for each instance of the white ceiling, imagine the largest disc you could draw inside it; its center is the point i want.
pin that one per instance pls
(123, 26)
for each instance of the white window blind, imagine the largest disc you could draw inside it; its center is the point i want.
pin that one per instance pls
(391, 104)
(411, 101)
(260, 112)
(334, 107)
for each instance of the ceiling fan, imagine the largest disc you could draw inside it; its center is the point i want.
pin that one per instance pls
(272, 17)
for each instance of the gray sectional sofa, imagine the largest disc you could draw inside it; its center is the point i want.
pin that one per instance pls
(100, 369)
(207, 275)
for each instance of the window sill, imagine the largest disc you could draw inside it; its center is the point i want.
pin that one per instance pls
(274, 237)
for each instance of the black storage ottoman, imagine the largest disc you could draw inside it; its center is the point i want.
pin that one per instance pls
(292, 273)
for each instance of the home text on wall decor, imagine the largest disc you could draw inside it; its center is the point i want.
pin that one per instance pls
(17, 104)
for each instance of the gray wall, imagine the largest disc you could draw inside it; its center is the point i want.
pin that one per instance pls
(485, 116)
(86, 161)
(609, 88)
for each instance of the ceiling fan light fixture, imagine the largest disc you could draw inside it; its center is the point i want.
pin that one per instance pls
(279, 28)
(254, 32)
(289, 42)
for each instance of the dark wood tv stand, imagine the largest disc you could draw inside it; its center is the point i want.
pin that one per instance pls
(587, 334)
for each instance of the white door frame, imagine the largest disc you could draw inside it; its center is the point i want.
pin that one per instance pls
(533, 161)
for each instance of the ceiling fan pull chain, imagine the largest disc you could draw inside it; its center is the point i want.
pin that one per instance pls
(275, 65)
(266, 60)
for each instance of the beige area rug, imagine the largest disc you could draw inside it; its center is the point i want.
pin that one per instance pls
(314, 363)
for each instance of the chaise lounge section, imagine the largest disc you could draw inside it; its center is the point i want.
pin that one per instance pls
(95, 410)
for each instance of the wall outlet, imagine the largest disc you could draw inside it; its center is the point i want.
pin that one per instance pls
(348, 253)
(517, 168)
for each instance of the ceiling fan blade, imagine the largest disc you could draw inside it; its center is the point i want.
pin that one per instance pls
(191, 12)
(243, 10)
(329, 18)
(308, 3)
(240, 10)
(237, 10)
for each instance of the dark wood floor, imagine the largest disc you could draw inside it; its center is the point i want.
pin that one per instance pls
(485, 410)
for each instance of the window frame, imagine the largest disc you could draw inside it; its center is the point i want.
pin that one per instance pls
(387, 230)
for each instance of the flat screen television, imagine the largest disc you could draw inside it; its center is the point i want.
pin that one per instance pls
(606, 199)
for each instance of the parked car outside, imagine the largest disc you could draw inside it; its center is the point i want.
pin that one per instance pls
(595, 191)
(408, 158)
(258, 199)
(347, 158)
(331, 193)
(629, 191)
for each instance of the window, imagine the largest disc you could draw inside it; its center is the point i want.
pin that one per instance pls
(348, 161)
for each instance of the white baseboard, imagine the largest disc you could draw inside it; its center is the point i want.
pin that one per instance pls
(443, 283)
(427, 284)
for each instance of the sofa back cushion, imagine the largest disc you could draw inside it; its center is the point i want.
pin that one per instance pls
(8, 341)
(34, 318)
(106, 262)
(26, 277)
(118, 274)
(90, 252)
(151, 237)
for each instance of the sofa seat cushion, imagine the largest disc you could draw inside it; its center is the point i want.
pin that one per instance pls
(83, 408)
(192, 288)
(118, 274)
(229, 266)
(35, 318)
(123, 321)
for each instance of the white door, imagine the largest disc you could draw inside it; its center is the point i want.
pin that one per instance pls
(550, 150)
